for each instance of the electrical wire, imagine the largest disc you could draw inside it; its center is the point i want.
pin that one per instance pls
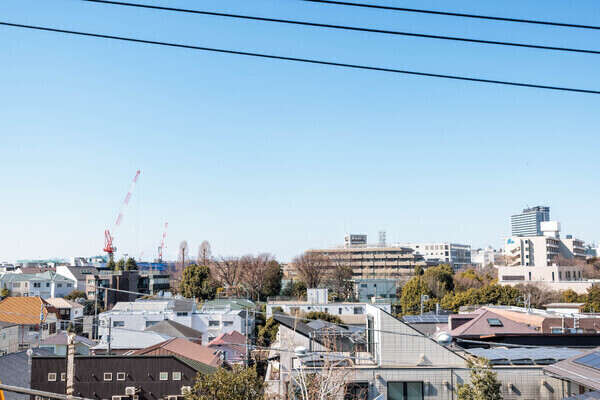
(347, 28)
(455, 14)
(305, 60)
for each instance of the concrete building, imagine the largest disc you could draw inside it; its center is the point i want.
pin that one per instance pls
(317, 300)
(77, 274)
(544, 250)
(47, 284)
(483, 257)
(554, 277)
(215, 317)
(9, 337)
(371, 261)
(454, 254)
(367, 289)
(528, 222)
(68, 311)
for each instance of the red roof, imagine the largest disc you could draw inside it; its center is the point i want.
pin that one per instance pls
(233, 337)
(481, 326)
(185, 348)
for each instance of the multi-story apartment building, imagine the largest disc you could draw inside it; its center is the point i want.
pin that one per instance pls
(544, 250)
(454, 254)
(372, 262)
(484, 257)
(528, 223)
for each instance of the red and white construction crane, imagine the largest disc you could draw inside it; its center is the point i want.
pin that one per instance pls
(162, 246)
(109, 248)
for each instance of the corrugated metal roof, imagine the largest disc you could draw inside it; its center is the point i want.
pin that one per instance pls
(426, 319)
(525, 355)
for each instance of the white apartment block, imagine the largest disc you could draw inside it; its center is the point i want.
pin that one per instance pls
(555, 277)
(483, 257)
(543, 250)
(45, 285)
(454, 254)
(317, 301)
(214, 318)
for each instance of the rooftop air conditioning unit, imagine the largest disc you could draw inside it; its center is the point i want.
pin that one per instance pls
(130, 390)
(185, 390)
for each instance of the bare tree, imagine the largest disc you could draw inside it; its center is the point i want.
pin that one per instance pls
(339, 277)
(204, 253)
(324, 380)
(227, 271)
(182, 256)
(311, 268)
(255, 272)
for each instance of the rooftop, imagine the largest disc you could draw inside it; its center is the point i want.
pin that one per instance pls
(174, 329)
(59, 302)
(128, 340)
(187, 349)
(583, 369)
(62, 338)
(23, 310)
(525, 356)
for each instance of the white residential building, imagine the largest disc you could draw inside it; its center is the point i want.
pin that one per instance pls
(215, 317)
(544, 250)
(45, 285)
(454, 254)
(483, 257)
(316, 300)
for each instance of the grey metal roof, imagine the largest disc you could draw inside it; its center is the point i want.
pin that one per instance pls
(585, 396)
(525, 355)
(15, 370)
(426, 319)
(174, 329)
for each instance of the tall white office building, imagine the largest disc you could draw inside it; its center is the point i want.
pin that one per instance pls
(528, 223)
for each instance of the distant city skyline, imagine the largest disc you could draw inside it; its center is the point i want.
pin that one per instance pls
(271, 156)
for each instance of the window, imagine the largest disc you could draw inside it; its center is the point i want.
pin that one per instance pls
(176, 376)
(150, 323)
(213, 323)
(494, 322)
(405, 391)
(36, 284)
(163, 376)
(52, 377)
(108, 376)
(227, 323)
(182, 314)
(69, 285)
(340, 310)
(118, 324)
(356, 391)
(121, 376)
(59, 285)
(63, 376)
(556, 330)
(358, 310)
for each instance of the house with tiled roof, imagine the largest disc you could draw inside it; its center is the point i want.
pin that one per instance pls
(183, 348)
(45, 284)
(68, 311)
(35, 317)
(232, 346)
(59, 342)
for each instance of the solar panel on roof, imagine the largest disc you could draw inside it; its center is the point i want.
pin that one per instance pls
(591, 360)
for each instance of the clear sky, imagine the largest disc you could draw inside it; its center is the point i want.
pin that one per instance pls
(271, 156)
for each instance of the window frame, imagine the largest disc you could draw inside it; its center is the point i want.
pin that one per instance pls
(123, 374)
(405, 388)
(52, 376)
(163, 374)
(63, 376)
(109, 375)
(176, 375)
(497, 323)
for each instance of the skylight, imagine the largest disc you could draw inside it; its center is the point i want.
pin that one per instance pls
(494, 322)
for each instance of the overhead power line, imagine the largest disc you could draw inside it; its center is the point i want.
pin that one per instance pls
(345, 27)
(303, 60)
(455, 14)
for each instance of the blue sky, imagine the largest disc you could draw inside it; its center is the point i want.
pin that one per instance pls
(271, 156)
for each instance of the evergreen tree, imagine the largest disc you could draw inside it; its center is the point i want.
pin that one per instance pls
(130, 265)
(197, 283)
(484, 383)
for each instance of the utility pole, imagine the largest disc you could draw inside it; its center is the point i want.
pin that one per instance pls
(247, 356)
(71, 365)
(109, 338)
(95, 323)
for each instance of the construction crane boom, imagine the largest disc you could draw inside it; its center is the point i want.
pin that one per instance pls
(109, 248)
(162, 246)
